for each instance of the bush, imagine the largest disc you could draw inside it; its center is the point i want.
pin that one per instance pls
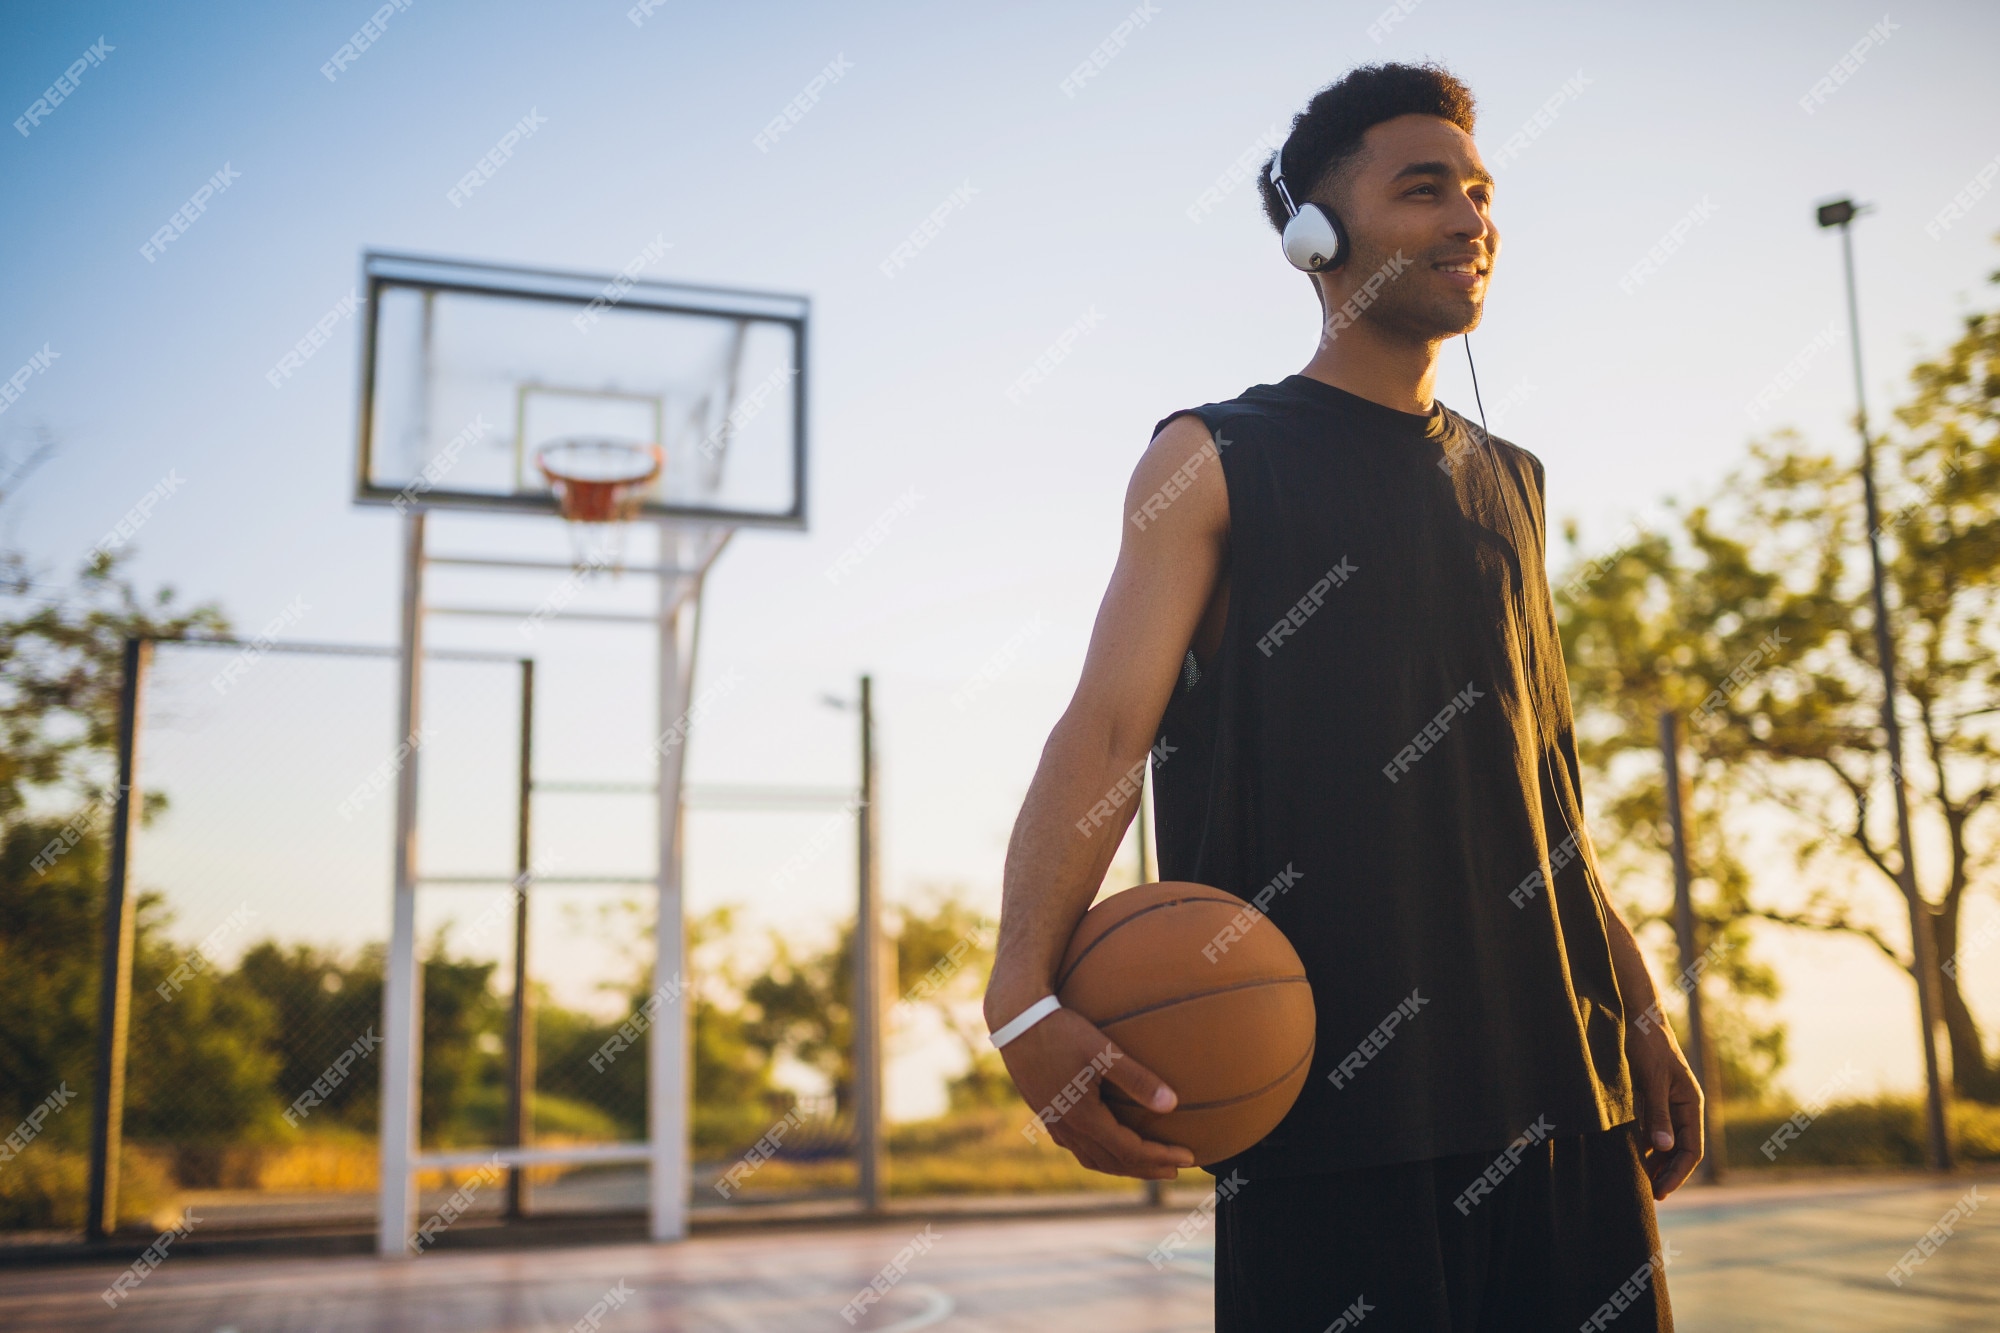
(1883, 1132)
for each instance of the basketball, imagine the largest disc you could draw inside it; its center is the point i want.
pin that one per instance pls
(1203, 990)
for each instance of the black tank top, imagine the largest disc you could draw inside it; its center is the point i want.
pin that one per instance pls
(1380, 753)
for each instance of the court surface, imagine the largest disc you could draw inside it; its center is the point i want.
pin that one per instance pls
(1763, 1257)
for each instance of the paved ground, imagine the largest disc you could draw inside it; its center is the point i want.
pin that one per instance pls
(1764, 1258)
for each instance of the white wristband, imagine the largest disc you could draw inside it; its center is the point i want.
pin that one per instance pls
(1026, 1019)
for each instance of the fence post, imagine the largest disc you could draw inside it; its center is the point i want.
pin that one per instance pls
(114, 986)
(521, 1031)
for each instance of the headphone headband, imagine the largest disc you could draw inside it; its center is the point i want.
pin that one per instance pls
(1314, 239)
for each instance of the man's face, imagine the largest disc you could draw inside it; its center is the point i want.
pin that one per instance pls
(1418, 188)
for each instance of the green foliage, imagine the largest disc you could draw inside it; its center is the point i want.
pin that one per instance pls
(1882, 1132)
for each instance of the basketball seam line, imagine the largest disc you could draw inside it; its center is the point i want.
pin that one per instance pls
(1202, 995)
(1109, 931)
(1231, 1101)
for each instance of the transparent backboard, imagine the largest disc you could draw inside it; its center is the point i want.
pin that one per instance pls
(469, 370)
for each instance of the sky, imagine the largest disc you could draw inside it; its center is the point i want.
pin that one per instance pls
(1109, 205)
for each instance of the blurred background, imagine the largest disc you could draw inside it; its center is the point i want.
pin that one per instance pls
(1667, 332)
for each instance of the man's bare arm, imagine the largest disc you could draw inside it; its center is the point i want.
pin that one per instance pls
(1669, 1099)
(1169, 561)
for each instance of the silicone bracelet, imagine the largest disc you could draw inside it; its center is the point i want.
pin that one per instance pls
(1026, 1019)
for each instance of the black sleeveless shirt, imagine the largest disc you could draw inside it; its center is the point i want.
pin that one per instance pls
(1380, 754)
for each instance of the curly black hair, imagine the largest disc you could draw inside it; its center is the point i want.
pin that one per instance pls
(1329, 130)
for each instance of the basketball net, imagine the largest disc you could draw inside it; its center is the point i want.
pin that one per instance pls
(599, 485)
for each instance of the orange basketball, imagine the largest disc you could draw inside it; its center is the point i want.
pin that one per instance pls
(1203, 990)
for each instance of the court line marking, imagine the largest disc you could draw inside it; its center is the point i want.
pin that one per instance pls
(940, 1307)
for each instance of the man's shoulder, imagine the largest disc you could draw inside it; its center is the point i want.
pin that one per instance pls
(1259, 402)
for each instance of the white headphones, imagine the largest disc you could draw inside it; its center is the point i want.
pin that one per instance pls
(1314, 239)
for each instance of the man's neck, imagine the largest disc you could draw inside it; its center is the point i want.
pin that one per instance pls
(1393, 372)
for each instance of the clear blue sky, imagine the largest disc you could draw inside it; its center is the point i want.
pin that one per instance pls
(1077, 203)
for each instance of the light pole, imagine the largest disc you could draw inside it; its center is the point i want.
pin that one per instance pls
(871, 968)
(1841, 213)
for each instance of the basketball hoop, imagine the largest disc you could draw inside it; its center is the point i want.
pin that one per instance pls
(598, 484)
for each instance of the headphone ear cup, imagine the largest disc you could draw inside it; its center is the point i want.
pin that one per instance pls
(1315, 240)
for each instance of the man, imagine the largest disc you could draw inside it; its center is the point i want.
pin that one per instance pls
(1330, 625)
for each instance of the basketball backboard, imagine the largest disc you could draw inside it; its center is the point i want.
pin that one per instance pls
(469, 370)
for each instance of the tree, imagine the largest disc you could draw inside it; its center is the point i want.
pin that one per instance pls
(1755, 618)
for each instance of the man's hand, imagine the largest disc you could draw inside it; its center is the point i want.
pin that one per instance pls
(1059, 1065)
(1669, 1106)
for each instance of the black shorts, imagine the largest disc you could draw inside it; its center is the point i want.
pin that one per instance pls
(1552, 1234)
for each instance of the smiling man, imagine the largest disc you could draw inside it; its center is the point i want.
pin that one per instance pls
(1331, 610)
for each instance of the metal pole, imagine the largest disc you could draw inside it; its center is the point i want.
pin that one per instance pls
(1923, 948)
(1700, 1055)
(114, 984)
(669, 1084)
(1156, 1190)
(521, 1031)
(402, 981)
(868, 975)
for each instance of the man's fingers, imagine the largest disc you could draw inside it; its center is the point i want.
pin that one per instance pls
(1675, 1173)
(1655, 1113)
(1093, 1120)
(1139, 1083)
